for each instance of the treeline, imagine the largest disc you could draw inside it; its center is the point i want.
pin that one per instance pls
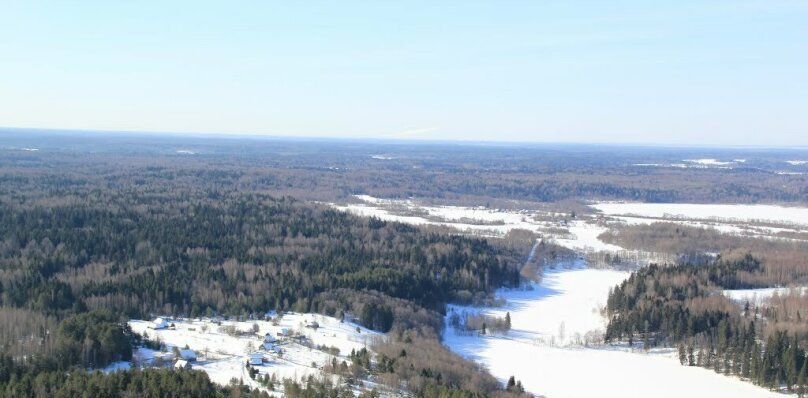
(784, 261)
(682, 306)
(150, 383)
(333, 170)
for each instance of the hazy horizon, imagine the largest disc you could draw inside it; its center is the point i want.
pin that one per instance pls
(315, 138)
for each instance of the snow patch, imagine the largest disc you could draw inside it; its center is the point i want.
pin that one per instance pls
(758, 296)
(708, 162)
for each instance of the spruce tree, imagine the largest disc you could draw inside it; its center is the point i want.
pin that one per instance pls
(511, 384)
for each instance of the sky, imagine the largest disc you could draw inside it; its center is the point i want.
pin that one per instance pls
(650, 72)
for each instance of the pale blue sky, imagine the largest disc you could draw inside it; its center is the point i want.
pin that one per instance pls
(670, 72)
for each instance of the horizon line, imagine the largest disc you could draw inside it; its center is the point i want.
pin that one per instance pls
(270, 136)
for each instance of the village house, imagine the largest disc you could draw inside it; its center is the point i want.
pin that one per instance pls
(256, 359)
(188, 355)
(269, 338)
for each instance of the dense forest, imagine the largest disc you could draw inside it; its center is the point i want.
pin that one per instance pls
(680, 306)
(235, 255)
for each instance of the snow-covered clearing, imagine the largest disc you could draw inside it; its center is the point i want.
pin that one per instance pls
(560, 310)
(758, 296)
(578, 234)
(547, 361)
(725, 213)
(709, 162)
(611, 373)
(223, 354)
(584, 236)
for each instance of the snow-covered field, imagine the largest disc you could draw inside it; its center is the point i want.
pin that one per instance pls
(560, 310)
(717, 212)
(538, 352)
(710, 162)
(223, 355)
(579, 234)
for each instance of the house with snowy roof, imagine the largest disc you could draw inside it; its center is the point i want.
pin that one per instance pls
(256, 359)
(159, 323)
(188, 355)
(182, 364)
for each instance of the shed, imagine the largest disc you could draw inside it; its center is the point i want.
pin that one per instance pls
(182, 364)
(159, 323)
(256, 359)
(165, 356)
(188, 355)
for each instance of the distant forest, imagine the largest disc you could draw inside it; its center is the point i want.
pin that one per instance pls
(336, 169)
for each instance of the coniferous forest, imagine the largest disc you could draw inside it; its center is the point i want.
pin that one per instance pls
(680, 306)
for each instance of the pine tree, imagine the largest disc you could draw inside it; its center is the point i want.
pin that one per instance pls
(511, 384)
(682, 354)
(801, 379)
(691, 361)
(508, 321)
(746, 362)
(755, 368)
